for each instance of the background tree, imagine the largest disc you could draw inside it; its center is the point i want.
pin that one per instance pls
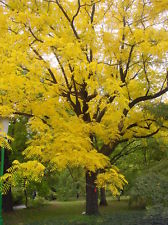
(100, 60)
(17, 130)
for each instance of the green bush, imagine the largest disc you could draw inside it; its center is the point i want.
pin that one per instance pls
(158, 210)
(137, 202)
(18, 196)
(38, 201)
(151, 187)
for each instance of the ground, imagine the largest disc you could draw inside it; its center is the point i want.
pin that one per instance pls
(70, 213)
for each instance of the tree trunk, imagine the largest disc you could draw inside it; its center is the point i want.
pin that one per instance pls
(103, 201)
(7, 202)
(25, 193)
(91, 194)
(26, 198)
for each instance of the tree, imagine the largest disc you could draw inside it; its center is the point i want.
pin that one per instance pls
(7, 203)
(17, 130)
(82, 72)
(143, 163)
(150, 186)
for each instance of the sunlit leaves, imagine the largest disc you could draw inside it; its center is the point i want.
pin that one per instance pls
(111, 180)
(22, 174)
(75, 68)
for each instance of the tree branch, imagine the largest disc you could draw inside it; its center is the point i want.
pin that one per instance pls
(93, 12)
(136, 124)
(78, 105)
(77, 12)
(129, 60)
(148, 97)
(122, 153)
(147, 135)
(35, 37)
(63, 71)
(41, 58)
(146, 76)
(69, 20)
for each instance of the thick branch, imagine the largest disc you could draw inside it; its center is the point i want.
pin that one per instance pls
(78, 105)
(149, 97)
(129, 60)
(136, 124)
(91, 19)
(90, 97)
(93, 12)
(122, 48)
(99, 114)
(147, 135)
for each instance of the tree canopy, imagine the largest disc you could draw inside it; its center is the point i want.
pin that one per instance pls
(82, 71)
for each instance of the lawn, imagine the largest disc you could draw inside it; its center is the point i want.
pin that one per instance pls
(70, 213)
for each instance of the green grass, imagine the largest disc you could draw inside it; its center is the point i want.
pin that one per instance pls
(70, 213)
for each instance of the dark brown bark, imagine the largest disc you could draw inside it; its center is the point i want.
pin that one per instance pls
(26, 198)
(25, 193)
(103, 201)
(91, 194)
(7, 203)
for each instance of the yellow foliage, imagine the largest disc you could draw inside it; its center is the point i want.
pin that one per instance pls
(111, 180)
(22, 174)
(81, 74)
